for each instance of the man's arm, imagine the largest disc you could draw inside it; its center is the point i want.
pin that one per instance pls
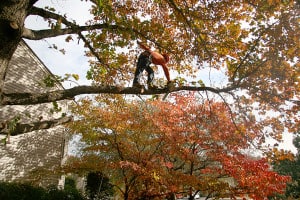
(166, 72)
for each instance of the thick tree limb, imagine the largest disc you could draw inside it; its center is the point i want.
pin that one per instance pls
(24, 128)
(72, 28)
(32, 2)
(46, 33)
(28, 98)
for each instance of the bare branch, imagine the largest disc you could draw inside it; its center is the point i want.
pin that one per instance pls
(47, 14)
(46, 33)
(73, 28)
(28, 98)
(24, 128)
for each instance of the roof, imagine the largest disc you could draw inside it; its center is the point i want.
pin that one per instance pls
(26, 72)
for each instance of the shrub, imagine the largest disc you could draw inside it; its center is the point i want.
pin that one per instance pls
(26, 191)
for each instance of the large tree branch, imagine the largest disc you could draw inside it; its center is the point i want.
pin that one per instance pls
(46, 33)
(71, 28)
(50, 15)
(24, 128)
(28, 98)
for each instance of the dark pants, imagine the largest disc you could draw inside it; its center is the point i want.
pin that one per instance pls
(143, 64)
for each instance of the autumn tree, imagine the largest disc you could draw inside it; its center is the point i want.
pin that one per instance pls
(290, 167)
(154, 149)
(97, 186)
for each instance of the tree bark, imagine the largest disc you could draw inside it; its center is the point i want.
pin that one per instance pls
(40, 125)
(12, 16)
(28, 98)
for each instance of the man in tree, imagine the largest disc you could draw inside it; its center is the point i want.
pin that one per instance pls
(145, 59)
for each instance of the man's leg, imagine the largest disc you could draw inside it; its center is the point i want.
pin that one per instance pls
(143, 62)
(150, 72)
(138, 72)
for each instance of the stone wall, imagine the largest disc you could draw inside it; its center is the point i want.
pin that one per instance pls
(35, 155)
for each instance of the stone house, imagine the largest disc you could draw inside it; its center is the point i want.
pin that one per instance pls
(31, 156)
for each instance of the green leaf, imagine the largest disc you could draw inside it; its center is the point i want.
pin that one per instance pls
(100, 5)
(75, 76)
(49, 81)
(200, 82)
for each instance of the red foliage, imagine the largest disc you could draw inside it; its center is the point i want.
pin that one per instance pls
(157, 148)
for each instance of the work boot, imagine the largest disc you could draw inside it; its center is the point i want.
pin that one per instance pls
(137, 85)
(170, 85)
(151, 86)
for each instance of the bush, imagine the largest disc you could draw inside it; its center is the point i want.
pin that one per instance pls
(14, 191)
(25, 191)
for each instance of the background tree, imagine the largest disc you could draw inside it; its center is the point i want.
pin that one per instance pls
(98, 186)
(154, 149)
(291, 167)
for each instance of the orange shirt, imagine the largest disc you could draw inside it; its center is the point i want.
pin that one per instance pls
(158, 59)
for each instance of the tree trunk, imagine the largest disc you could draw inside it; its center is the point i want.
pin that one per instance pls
(3, 66)
(12, 16)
